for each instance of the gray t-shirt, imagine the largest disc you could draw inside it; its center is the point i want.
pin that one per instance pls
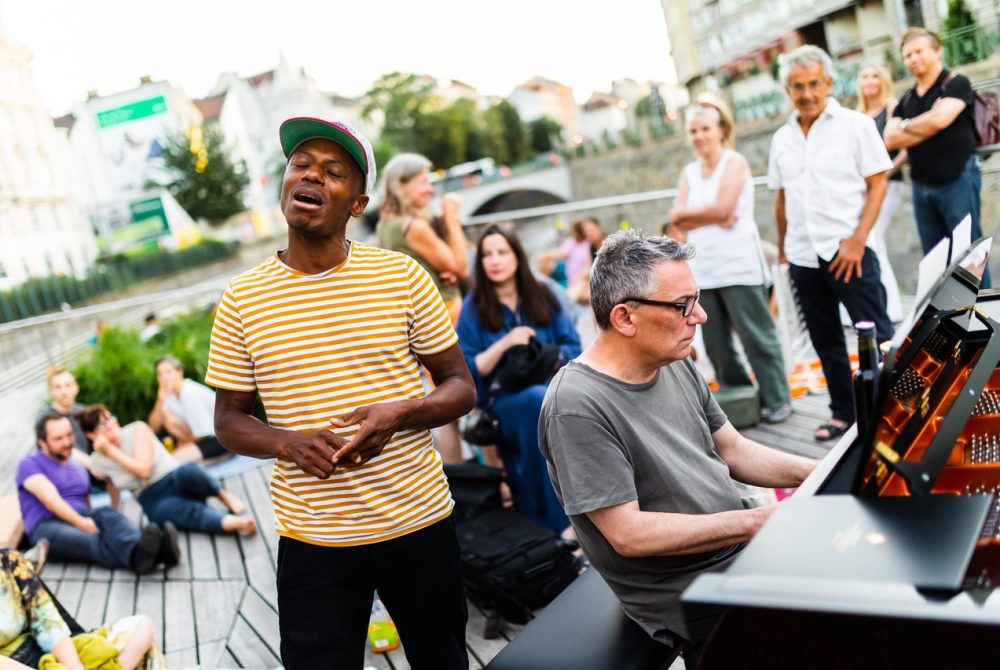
(608, 442)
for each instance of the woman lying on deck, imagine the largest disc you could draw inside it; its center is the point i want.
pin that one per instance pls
(30, 624)
(135, 460)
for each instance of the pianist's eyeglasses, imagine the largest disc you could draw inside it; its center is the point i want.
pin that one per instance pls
(685, 307)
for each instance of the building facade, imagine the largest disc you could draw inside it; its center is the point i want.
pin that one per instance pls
(42, 231)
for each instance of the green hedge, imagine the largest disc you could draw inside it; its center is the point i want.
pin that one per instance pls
(41, 295)
(119, 371)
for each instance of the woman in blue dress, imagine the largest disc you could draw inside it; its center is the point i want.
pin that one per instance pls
(509, 306)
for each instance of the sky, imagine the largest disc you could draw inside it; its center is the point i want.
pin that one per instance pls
(107, 45)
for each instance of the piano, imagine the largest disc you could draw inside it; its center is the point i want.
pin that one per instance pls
(888, 555)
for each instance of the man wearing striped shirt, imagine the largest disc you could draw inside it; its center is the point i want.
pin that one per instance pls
(331, 333)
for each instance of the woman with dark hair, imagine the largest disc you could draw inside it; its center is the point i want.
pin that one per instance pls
(509, 307)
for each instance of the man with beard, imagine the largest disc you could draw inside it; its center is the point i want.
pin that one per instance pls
(54, 494)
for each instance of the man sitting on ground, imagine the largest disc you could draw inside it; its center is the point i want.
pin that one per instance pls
(186, 410)
(640, 454)
(54, 495)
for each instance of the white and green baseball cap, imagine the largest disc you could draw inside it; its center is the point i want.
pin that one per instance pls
(297, 130)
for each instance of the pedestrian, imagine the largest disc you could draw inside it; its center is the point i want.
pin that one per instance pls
(331, 333)
(714, 206)
(934, 122)
(829, 167)
(405, 225)
(875, 99)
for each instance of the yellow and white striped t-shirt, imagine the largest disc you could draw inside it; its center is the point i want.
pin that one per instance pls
(319, 346)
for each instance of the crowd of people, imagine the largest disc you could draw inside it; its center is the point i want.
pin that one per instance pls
(358, 351)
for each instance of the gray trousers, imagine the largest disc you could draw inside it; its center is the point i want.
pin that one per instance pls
(743, 310)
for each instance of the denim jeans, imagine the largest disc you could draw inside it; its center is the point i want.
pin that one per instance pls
(110, 548)
(938, 208)
(180, 497)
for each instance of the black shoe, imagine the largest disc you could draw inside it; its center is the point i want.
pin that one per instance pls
(170, 551)
(146, 554)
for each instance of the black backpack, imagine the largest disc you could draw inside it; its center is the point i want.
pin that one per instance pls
(510, 564)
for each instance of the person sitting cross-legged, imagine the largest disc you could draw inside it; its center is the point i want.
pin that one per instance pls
(136, 461)
(54, 495)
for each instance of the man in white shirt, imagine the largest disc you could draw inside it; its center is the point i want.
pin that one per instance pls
(186, 410)
(830, 168)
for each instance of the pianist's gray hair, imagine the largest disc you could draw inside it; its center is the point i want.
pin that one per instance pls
(804, 56)
(624, 269)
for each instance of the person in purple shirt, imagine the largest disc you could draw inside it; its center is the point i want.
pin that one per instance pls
(54, 493)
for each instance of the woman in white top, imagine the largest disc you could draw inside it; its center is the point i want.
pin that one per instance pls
(714, 206)
(135, 460)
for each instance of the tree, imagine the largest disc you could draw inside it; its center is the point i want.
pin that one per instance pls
(960, 44)
(205, 181)
(506, 133)
(543, 134)
(401, 98)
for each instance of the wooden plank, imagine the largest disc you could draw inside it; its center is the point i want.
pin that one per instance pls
(215, 607)
(121, 600)
(183, 658)
(210, 654)
(229, 557)
(93, 604)
(99, 573)
(263, 618)
(481, 650)
(178, 617)
(203, 564)
(69, 595)
(227, 660)
(149, 601)
(248, 649)
(75, 571)
(262, 577)
(182, 571)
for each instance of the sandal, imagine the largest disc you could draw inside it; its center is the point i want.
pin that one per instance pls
(833, 432)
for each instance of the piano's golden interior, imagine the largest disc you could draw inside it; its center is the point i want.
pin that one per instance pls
(922, 396)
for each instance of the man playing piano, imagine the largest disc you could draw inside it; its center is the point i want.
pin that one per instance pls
(640, 454)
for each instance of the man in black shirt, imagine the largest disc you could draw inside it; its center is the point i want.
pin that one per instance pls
(934, 122)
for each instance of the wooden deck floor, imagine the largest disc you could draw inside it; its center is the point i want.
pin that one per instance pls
(218, 608)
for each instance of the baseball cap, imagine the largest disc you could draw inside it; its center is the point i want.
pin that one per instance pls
(297, 130)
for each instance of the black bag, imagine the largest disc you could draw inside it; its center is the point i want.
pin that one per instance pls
(524, 365)
(475, 489)
(513, 564)
(482, 428)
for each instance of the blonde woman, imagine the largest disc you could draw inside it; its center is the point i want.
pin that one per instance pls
(875, 99)
(405, 225)
(714, 207)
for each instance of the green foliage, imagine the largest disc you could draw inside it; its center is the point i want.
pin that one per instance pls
(414, 119)
(206, 182)
(506, 133)
(959, 16)
(40, 295)
(119, 371)
(543, 134)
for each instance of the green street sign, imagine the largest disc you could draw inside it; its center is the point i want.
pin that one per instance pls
(132, 111)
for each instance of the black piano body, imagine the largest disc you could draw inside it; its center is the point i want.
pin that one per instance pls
(918, 591)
